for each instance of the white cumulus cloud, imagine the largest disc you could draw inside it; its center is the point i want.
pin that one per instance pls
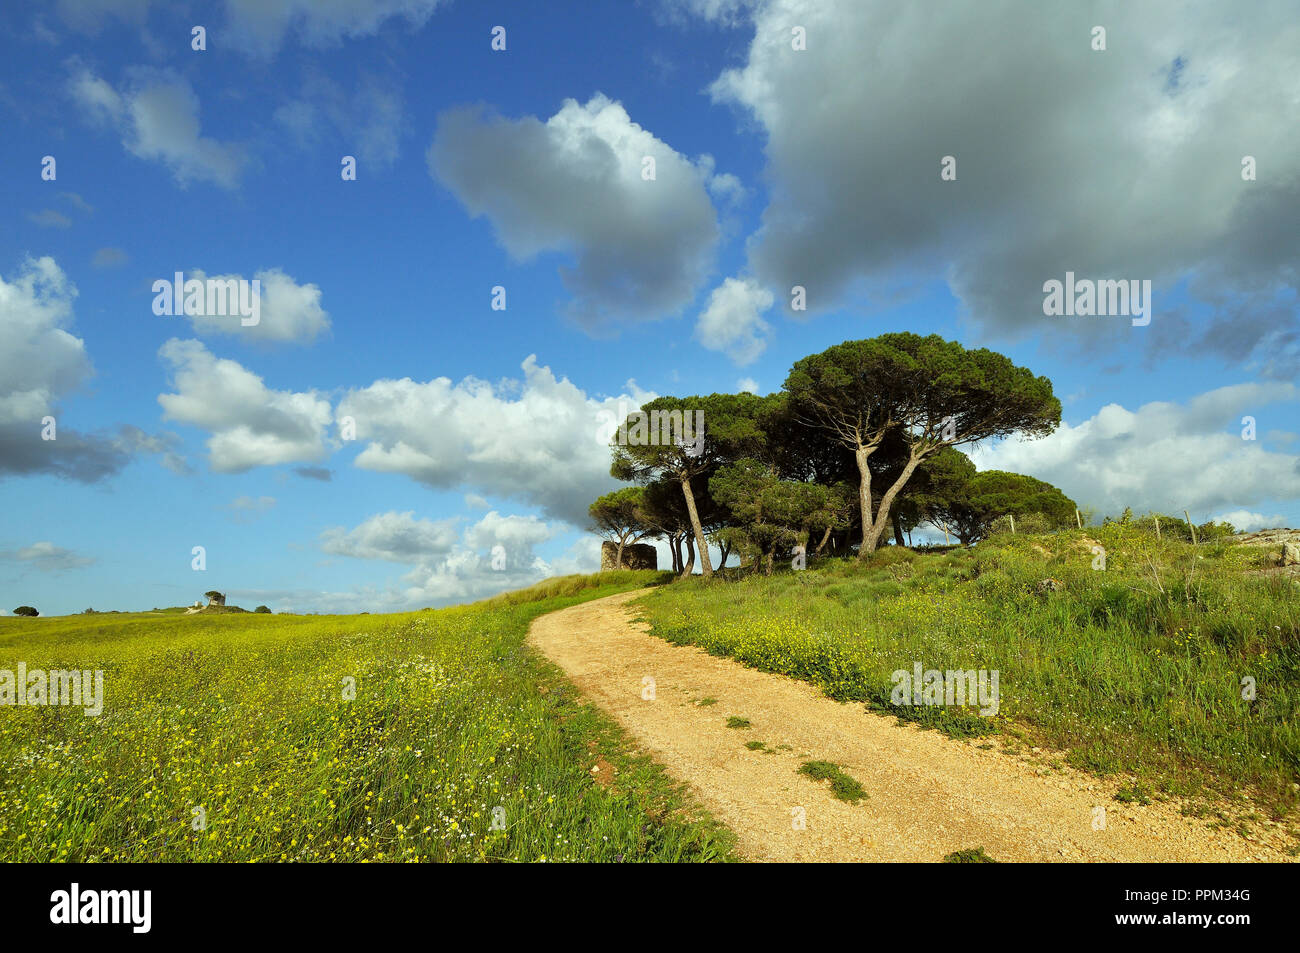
(543, 440)
(574, 185)
(251, 425)
(733, 323)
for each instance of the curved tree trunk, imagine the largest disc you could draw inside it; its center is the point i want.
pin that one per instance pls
(871, 539)
(689, 567)
(864, 501)
(898, 530)
(700, 541)
(618, 560)
(825, 537)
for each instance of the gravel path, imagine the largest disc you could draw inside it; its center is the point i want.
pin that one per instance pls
(929, 795)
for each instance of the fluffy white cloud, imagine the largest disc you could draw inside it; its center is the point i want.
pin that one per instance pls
(574, 185)
(733, 323)
(47, 557)
(496, 555)
(251, 425)
(157, 115)
(543, 441)
(1163, 456)
(290, 312)
(747, 385)
(1246, 521)
(1067, 158)
(395, 537)
(493, 555)
(41, 362)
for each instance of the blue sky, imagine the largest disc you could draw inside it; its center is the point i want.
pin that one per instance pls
(521, 168)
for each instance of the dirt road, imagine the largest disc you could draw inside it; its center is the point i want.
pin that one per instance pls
(929, 795)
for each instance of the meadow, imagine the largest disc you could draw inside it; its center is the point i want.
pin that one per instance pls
(1141, 670)
(231, 737)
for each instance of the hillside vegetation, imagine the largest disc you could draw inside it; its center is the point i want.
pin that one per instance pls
(1135, 669)
(245, 717)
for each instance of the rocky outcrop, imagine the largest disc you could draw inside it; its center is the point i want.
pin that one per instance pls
(635, 556)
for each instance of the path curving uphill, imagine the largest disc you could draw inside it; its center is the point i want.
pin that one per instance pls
(928, 795)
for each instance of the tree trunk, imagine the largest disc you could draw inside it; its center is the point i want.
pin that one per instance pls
(825, 536)
(725, 550)
(689, 565)
(870, 540)
(700, 541)
(864, 499)
(618, 560)
(767, 563)
(675, 548)
(898, 530)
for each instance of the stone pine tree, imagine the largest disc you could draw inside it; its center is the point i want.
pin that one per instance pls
(664, 509)
(646, 448)
(618, 517)
(931, 392)
(969, 508)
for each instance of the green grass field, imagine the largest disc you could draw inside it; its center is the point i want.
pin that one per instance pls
(1135, 670)
(244, 716)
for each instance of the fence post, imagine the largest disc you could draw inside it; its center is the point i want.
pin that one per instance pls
(1190, 526)
(1157, 519)
(1078, 520)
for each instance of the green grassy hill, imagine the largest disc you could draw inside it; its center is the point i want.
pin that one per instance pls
(1138, 669)
(245, 716)
(1135, 670)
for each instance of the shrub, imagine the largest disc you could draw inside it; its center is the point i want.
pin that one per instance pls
(261, 609)
(26, 610)
(973, 855)
(1031, 523)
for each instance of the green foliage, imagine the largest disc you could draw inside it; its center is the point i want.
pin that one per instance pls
(925, 391)
(1171, 527)
(261, 609)
(620, 517)
(842, 786)
(26, 611)
(972, 855)
(1133, 794)
(981, 505)
(771, 515)
(1028, 523)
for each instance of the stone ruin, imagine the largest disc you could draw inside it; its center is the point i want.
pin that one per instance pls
(635, 556)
